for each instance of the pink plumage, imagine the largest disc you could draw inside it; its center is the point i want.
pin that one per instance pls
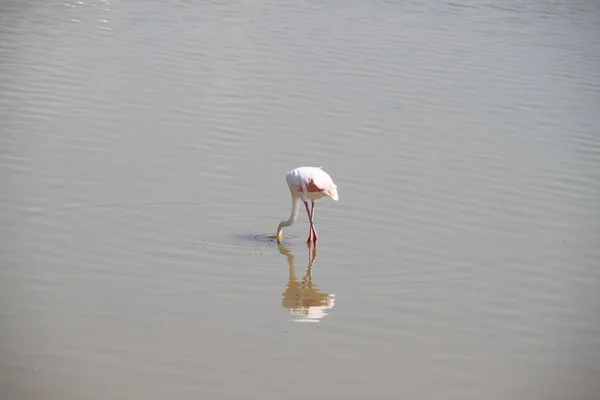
(307, 183)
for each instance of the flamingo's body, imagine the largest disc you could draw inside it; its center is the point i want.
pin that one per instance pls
(307, 183)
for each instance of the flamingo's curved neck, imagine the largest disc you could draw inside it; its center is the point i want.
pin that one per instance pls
(293, 216)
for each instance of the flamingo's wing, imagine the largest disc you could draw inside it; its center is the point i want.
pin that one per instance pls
(312, 187)
(311, 180)
(322, 182)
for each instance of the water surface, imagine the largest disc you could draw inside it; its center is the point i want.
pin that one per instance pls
(143, 152)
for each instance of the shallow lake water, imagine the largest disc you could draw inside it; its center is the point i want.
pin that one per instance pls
(143, 153)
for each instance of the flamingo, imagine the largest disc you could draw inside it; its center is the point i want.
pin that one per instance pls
(307, 183)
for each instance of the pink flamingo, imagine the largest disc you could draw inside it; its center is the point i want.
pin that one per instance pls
(307, 183)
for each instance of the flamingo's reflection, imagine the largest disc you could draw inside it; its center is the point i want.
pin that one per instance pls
(302, 297)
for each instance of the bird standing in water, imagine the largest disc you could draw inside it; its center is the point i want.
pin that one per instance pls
(307, 183)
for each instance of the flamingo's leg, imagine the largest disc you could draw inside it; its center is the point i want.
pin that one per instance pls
(312, 223)
(310, 230)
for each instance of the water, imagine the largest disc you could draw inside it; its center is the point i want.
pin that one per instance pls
(143, 154)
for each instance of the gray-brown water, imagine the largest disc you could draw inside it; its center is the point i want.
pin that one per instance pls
(143, 152)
